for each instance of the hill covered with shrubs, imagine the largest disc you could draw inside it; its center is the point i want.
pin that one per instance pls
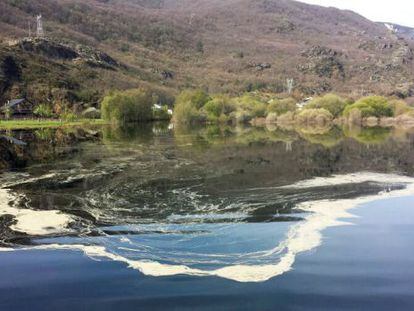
(230, 47)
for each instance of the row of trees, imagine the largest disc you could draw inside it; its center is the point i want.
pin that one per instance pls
(198, 106)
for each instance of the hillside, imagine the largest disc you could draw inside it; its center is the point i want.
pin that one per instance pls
(400, 30)
(222, 46)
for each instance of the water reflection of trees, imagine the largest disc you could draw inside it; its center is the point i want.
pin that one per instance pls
(49, 144)
(41, 145)
(368, 136)
(326, 136)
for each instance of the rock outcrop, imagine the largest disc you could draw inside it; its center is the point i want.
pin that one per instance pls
(323, 62)
(66, 51)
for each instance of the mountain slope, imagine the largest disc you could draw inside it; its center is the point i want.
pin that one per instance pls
(230, 46)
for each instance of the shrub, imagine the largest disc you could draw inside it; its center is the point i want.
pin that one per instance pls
(286, 118)
(281, 106)
(243, 116)
(68, 116)
(371, 106)
(251, 106)
(314, 116)
(128, 106)
(400, 107)
(43, 111)
(186, 113)
(197, 97)
(188, 105)
(219, 109)
(331, 102)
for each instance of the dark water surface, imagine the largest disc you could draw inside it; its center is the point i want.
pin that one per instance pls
(155, 217)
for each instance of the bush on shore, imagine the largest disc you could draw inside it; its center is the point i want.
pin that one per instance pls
(371, 106)
(128, 106)
(314, 116)
(281, 106)
(43, 111)
(331, 102)
(219, 109)
(188, 106)
(400, 107)
(250, 107)
(198, 106)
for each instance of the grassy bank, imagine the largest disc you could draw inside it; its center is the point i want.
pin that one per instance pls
(34, 123)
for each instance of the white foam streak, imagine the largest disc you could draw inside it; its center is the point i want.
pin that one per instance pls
(34, 222)
(354, 178)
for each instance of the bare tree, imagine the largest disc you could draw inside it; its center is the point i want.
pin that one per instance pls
(39, 31)
(289, 85)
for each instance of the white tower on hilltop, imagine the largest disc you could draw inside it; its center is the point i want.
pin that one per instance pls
(39, 31)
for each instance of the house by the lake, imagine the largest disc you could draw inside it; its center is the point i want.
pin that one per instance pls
(17, 108)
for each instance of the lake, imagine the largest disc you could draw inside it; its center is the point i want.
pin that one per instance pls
(157, 216)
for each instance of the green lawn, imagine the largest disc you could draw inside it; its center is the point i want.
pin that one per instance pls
(33, 123)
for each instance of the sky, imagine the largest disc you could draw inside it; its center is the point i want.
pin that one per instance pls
(394, 11)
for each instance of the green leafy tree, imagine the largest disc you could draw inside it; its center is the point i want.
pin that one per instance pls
(331, 102)
(371, 106)
(188, 106)
(252, 105)
(219, 108)
(128, 106)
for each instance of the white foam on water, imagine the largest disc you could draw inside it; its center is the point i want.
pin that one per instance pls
(354, 178)
(34, 222)
(302, 237)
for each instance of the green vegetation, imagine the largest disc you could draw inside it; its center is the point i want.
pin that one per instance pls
(371, 106)
(136, 105)
(34, 124)
(251, 106)
(43, 111)
(198, 106)
(219, 109)
(161, 114)
(188, 106)
(314, 116)
(281, 106)
(400, 107)
(128, 106)
(369, 136)
(68, 116)
(331, 102)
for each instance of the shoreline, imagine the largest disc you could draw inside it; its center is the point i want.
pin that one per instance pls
(34, 124)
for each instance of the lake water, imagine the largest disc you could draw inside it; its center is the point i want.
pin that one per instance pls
(157, 217)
